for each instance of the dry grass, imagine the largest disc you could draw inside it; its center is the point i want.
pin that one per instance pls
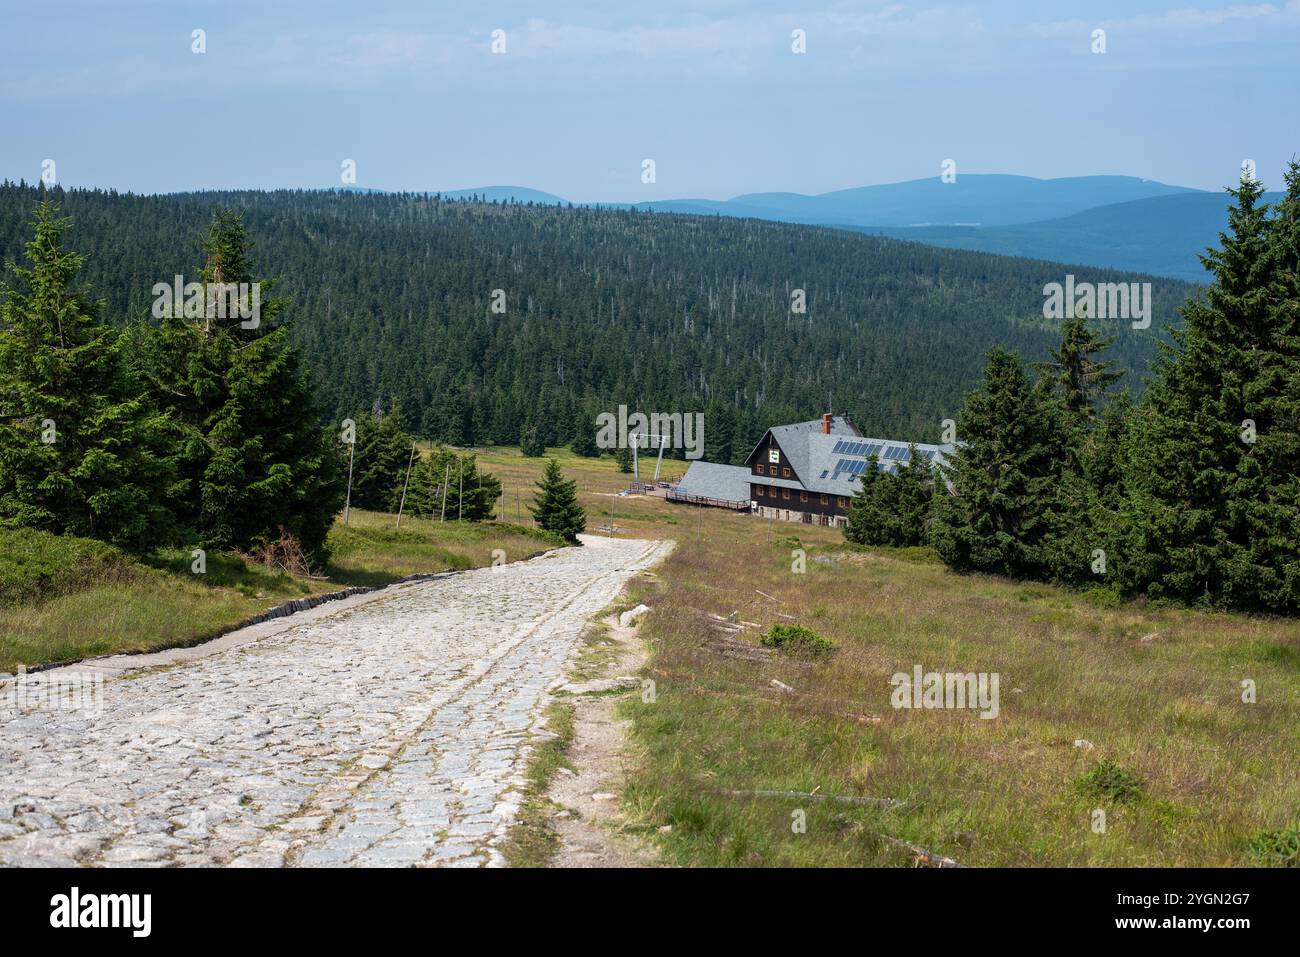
(1156, 691)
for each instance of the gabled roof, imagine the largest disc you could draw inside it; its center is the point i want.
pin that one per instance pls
(832, 463)
(792, 437)
(729, 483)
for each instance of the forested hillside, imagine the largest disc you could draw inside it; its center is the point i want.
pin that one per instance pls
(391, 302)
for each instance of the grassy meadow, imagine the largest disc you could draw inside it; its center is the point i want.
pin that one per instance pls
(1133, 711)
(64, 599)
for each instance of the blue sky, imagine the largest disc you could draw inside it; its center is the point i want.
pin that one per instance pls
(709, 89)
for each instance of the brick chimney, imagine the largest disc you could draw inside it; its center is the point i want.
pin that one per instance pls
(826, 423)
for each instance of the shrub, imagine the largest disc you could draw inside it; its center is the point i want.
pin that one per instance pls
(1279, 848)
(1108, 781)
(36, 565)
(798, 640)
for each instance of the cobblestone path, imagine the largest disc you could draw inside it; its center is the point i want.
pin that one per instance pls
(390, 733)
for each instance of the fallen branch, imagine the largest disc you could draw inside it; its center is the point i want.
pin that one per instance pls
(928, 858)
(836, 798)
(770, 597)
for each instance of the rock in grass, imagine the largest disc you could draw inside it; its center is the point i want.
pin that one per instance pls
(628, 618)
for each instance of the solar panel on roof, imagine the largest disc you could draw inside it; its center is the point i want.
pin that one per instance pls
(896, 452)
(871, 449)
(839, 447)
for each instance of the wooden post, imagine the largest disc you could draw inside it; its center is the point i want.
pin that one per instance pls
(446, 480)
(460, 496)
(401, 505)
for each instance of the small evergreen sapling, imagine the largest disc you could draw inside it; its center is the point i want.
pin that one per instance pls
(555, 506)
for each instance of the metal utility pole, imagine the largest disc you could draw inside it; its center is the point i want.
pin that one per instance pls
(446, 480)
(663, 444)
(636, 465)
(401, 505)
(460, 496)
(347, 506)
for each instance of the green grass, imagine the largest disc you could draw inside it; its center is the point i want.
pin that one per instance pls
(64, 598)
(532, 841)
(370, 550)
(1185, 771)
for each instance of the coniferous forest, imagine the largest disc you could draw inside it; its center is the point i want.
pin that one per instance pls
(1189, 494)
(394, 304)
(467, 322)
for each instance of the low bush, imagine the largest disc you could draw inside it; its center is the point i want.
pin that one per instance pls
(797, 640)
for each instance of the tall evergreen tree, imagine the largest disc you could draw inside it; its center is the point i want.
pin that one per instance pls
(868, 508)
(1003, 473)
(915, 482)
(1211, 513)
(379, 470)
(1079, 378)
(81, 451)
(531, 444)
(555, 506)
(584, 436)
(891, 509)
(457, 470)
(256, 461)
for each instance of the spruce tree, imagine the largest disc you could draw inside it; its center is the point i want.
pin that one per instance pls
(1211, 508)
(81, 450)
(1003, 473)
(584, 437)
(915, 489)
(865, 516)
(555, 506)
(623, 456)
(256, 461)
(379, 470)
(1078, 377)
(891, 509)
(531, 444)
(459, 471)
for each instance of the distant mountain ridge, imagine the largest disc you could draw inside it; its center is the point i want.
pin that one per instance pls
(980, 199)
(1161, 235)
(1121, 222)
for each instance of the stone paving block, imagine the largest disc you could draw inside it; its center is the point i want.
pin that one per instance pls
(401, 721)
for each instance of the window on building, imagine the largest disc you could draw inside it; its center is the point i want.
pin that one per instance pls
(785, 493)
(758, 490)
(785, 472)
(825, 500)
(803, 496)
(840, 501)
(759, 466)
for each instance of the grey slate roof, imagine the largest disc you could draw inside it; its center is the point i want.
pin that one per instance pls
(730, 483)
(793, 436)
(832, 463)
